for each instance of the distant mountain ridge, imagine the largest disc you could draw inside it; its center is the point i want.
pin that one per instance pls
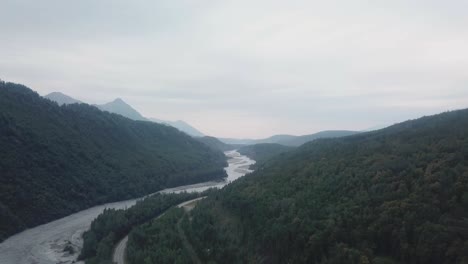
(216, 144)
(61, 98)
(119, 106)
(297, 141)
(290, 140)
(263, 152)
(56, 160)
(395, 195)
(181, 125)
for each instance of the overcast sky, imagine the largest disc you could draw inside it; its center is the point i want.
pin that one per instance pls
(245, 68)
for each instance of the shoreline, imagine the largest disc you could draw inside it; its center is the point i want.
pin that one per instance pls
(44, 244)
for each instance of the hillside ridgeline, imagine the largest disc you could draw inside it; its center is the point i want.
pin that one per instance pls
(397, 195)
(56, 160)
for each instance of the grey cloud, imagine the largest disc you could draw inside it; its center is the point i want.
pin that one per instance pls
(245, 68)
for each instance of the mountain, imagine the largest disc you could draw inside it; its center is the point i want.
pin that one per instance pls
(185, 127)
(299, 140)
(376, 127)
(290, 140)
(263, 152)
(61, 98)
(118, 106)
(243, 141)
(215, 143)
(181, 125)
(395, 195)
(278, 139)
(56, 160)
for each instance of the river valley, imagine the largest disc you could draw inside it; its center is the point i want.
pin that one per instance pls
(45, 244)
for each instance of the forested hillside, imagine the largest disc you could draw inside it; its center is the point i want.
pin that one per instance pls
(182, 126)
(215, 143)
(299, 140)
(261, 153)
(61, 98)
(118, 106)
(290, 140)
(112, 225)
(397, 195)
(55, 160)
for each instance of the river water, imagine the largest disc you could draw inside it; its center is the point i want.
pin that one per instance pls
(45, 244)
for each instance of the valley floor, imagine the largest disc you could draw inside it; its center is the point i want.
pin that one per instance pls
(45, 244)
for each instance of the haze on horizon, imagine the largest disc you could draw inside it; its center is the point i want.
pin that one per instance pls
(245, 69)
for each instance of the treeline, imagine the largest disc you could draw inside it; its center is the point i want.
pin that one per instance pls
(263, 152)
(216, 144)
(55, 160)
(159, 241)
(397, 195)
(113, 225)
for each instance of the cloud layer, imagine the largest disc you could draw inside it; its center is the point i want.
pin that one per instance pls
(245, 68)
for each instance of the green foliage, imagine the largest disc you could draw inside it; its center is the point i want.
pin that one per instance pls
(216, 144)
(396, 195)
(158, 241)
(55, 160)
(263, 152)
(112, 225)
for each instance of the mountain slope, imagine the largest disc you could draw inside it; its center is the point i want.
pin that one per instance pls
(396, 195)
(118, 106)
(290, 140)
(215, 143)
(275, 139)
(263, 152)
(185, 127)
(181, 125)
(299, 140)
(56, 160)
(61, 98)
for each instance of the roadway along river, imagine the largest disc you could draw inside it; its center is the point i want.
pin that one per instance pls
(45, 244)
(119, 252)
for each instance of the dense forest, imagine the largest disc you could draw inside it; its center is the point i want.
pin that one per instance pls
(216, 144)
(290, 140)
(112, 225)
(396, 195)
(299, 140)
(166, 235)
(263, 152)
(55, 160)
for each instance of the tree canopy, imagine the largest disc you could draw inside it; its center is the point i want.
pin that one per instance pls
(396, 195)
(263, 152)
(55, 160)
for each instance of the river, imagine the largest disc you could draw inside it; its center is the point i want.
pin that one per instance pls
(45, 244)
